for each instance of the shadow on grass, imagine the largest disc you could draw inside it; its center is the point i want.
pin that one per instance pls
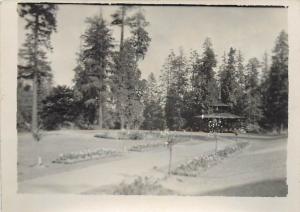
(267, 188)
(256, 137)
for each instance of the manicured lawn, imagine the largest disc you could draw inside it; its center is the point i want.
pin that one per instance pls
(257, 170)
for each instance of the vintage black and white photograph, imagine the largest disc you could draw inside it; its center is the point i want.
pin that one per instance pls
(132, 99)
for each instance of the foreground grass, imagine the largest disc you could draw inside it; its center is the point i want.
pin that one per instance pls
(262, 167)
(265, 188)
(258, 171)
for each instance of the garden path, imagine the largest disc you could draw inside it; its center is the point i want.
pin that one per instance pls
(114, 172)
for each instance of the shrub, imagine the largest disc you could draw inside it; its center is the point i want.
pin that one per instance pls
(145, 147)
(135, 136)
(58, 108)
(195, 166)
(154, 116)
(130, 135)
(102, 135)
(141, 186)
(75, 157)
(255, 128)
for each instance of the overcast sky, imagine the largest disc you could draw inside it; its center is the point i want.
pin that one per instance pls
(252, 30)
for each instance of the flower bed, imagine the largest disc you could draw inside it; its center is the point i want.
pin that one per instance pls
(122, 135)
(104, 135)
(75, 157)
(197, 165)
(145, 147)
(141, 186)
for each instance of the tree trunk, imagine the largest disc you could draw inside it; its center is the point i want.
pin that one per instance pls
(34, 115)
(128, 126)
(170, 159)
(122, 28)
(122, 121)
(34, 121)
(100, 120)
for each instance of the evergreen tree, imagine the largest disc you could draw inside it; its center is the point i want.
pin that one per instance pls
(228, 81)
(85, 93)
(153, 113)
(221, 72)
(126, 75)
(126, 87)
(139, 36)
(190, 99)
(265, 68)
(203, 81)
(174, 76)
(264, 83)
(59, 107)
(139, 41)
(40, 23)
(152, 90)
(240, 86)
(203, 90)
(120, 19)
(277, 92)
(95, 55)
(253, 110)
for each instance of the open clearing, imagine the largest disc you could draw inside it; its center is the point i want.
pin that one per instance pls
(258, 170)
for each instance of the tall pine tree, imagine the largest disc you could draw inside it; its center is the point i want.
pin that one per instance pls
(203, 82)
(228, 82)
(277, 92)
(264, 83)
(153, 112)
(126, 75)
(253, 110)
(95, 56)
(139, 36)
(174, 76)
(238, 108)
(40, 24)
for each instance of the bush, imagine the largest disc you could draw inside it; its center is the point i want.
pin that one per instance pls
(102, 135)
(254, 128)
(58, 108)
(135, 136)
(75, 157)
(145, 147)
(195, 166)
(154, 118)
(141, 186)
(130, 135)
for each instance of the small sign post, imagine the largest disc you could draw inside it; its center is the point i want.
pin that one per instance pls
(170, 143)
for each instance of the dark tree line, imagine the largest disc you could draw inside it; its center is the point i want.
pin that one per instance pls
(253, 90)
(108, 90)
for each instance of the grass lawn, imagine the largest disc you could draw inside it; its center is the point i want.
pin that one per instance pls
(258, 170)
(55, 143)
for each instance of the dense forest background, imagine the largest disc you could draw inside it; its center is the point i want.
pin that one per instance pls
(109, 92)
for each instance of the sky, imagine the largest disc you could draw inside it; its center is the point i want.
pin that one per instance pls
(251, 30)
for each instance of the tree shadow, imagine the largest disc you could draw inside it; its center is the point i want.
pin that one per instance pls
(257, 137)
(266, 188)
